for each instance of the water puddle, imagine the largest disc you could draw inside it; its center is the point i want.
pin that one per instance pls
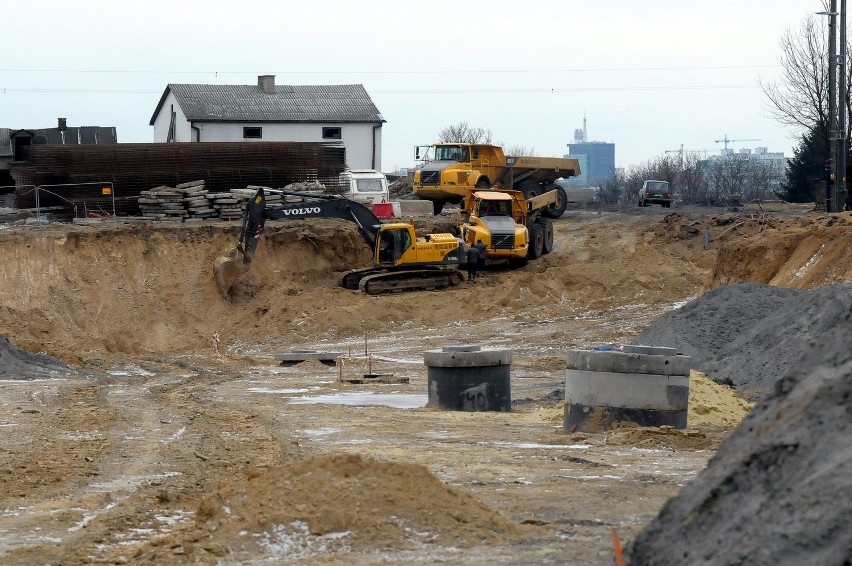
(271, 390)
(321, 431)
(504, 444)
(395, 400)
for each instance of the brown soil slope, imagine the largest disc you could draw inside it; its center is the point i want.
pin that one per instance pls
(130, 464)
(83, 292)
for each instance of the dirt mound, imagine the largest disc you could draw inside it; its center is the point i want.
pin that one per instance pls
(20, 364)
(803, 252)
(340, 502)
(748, 335)
(713, 404)
(777, 491)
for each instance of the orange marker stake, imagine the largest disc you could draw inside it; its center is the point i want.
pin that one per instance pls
(617, 544)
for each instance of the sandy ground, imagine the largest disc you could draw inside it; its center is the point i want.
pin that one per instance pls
(181, 439)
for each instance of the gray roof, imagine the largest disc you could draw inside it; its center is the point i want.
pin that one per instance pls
(53, 136)
(78, 135)
(289, 103)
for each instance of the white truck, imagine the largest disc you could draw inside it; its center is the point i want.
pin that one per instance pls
(367, 186)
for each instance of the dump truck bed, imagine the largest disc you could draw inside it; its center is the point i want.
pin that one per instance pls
(539, 169)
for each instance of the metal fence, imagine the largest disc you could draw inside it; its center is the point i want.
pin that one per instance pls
(74, 200)
(75, 172)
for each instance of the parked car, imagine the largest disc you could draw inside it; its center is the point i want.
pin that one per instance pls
(655, 192)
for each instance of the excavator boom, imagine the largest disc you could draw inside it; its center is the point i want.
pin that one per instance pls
(400, 262)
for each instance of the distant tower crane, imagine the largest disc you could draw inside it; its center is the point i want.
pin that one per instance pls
(682, 154)
(728, 140)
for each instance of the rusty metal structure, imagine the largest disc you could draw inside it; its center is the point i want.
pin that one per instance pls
(136, 167)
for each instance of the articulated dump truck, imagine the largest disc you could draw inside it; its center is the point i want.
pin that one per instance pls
(451, 170)
(511, 227)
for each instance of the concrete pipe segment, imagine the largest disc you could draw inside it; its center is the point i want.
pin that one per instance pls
(645, 385)
(468, 378)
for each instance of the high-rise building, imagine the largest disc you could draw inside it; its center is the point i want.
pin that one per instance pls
(597, 160)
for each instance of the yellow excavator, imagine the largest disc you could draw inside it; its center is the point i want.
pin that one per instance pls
(401, 260)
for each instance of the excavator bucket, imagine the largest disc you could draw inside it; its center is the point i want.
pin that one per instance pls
(228, 270)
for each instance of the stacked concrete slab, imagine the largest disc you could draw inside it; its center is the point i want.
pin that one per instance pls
(195, 200)
(226, 205)
(164, 204)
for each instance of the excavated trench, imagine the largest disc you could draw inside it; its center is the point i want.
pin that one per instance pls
(181, 409)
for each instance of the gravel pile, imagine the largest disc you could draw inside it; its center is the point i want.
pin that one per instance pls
(20, 364)
(777, 491)
(749, 335)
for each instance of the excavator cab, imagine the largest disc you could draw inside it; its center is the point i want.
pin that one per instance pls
(393, 241)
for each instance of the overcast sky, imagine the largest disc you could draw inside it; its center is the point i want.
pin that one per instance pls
(648, 75)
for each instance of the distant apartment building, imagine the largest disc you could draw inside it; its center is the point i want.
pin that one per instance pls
(597, 160)
(775, 159)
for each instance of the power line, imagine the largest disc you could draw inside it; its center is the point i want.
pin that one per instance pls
(424, 91)
(397, 72)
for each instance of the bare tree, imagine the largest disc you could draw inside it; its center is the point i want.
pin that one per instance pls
(763, 181)
(516, 150)
(691, 183)
(740, 178)
(464, 133)
(800, 98)
(614, 189)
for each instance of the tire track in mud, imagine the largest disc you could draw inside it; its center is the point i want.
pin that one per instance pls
(132, 458)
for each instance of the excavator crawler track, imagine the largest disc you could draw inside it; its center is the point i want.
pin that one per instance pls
(409, 280)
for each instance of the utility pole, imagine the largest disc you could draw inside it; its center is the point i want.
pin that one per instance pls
(841, 192)
(832, 105)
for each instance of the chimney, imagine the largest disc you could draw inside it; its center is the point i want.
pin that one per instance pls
(63, 124)
(266, 83)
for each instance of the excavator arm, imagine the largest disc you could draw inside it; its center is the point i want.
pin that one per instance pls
(415, 263)
(258, 211)
(313, 206)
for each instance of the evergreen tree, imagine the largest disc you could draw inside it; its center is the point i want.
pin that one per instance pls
(806, 170)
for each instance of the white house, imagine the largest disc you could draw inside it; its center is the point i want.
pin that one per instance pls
(270, 112)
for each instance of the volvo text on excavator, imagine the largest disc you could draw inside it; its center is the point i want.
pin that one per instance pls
(401, 260)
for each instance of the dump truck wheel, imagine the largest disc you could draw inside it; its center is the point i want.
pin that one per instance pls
(547, 244)
(437, 207)
(536, 241)
(529, 187)
(483, 183)
(556, 210)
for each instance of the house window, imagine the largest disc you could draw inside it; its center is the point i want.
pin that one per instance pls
(331, 134)
(253, 132)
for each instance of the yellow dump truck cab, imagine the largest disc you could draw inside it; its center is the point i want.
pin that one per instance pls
(397, 246)
(453, 169)
(456, 168)
(511, 226)
(498, 219)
